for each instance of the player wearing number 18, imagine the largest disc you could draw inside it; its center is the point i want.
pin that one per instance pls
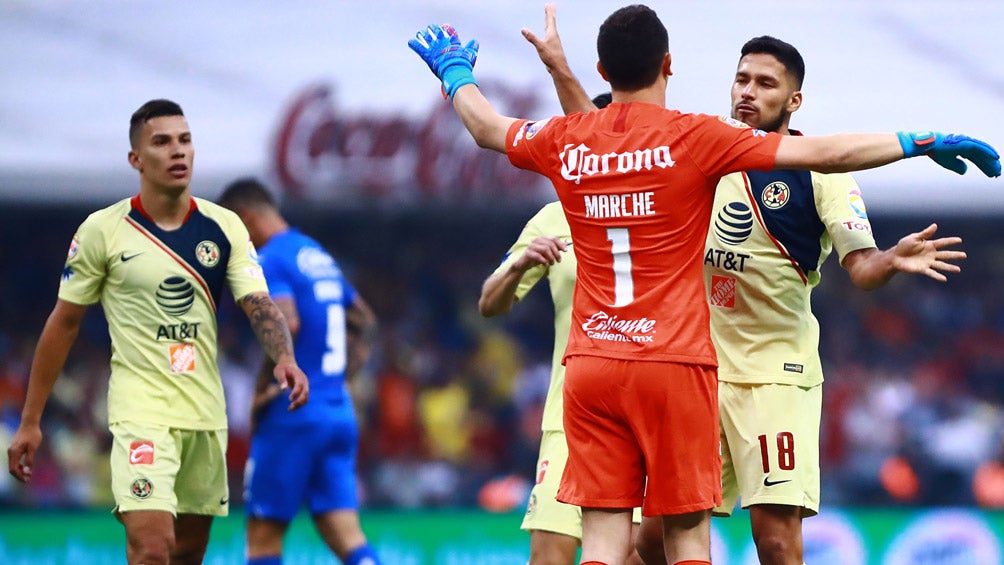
(636, 182)
(309, 456)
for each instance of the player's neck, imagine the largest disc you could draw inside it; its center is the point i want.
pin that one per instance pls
(650, 95)
(167, 209)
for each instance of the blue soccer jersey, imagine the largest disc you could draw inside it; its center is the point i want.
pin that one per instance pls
(307, 456)
(297, 267)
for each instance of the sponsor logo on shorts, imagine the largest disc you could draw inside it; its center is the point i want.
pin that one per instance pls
(793, 367)
(723, 291)
(542, 470)
(141, 488)
(141, 453)
(531, 505)
(769, 483)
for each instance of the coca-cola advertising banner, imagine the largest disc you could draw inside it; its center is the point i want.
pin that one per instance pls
(325, 101)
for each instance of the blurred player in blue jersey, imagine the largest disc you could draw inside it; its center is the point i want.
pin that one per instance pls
(308, 456)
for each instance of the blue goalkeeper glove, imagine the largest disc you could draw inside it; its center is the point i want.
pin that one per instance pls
(946, 151)
(451, 62)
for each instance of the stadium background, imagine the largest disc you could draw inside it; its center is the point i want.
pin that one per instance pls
(325, 101)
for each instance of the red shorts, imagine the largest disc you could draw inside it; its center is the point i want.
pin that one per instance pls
(626, 421)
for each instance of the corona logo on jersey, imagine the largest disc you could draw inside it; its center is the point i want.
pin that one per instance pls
(579, 160)
(605, 327)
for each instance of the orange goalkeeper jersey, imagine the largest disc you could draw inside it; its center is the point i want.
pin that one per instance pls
(637, 183)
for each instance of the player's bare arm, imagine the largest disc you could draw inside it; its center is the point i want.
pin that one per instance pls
(571, 95)
(53, 346)
(916, 253)
(273, 334)
(498, 293)
(360, 327)
(844, 153)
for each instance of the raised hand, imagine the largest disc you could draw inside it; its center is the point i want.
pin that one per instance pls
(452, 63)
(549, 49)
(918, 253)
(949, 150)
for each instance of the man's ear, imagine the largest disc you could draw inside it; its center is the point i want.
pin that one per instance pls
(599, 69)
(667, 64)
(134, 161)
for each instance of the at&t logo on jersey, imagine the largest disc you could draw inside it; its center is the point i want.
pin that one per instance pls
(611, 328)
(734, 224)
(776, 195)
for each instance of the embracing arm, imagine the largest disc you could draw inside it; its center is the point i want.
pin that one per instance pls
(53, 346)
(273, 334)
(915, 253)
(858, 151)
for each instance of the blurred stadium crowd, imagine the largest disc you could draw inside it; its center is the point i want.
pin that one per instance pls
(450, 403)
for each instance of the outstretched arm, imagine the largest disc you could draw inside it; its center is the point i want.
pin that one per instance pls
(571, 95)
(53, 346)
(915, 253)
(499, 290)
(270, 327)
(854, 152)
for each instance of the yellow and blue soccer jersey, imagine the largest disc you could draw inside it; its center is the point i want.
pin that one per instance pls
(159, 290)
(550, 222)
(769, 234)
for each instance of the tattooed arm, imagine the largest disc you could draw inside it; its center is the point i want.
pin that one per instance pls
(270, 326)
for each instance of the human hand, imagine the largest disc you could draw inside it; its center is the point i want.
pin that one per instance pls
(289, 375)
(948, 151)
(549, 49)
(919, 254)
(440, 48)
(21, 453)
(541, 251)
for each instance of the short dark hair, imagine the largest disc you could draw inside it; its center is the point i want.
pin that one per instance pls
(247, 192)
(153, 109)
(603, 100)
(632, 44)
(784, 52)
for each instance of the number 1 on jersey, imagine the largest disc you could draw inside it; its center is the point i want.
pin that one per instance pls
(620, 247)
